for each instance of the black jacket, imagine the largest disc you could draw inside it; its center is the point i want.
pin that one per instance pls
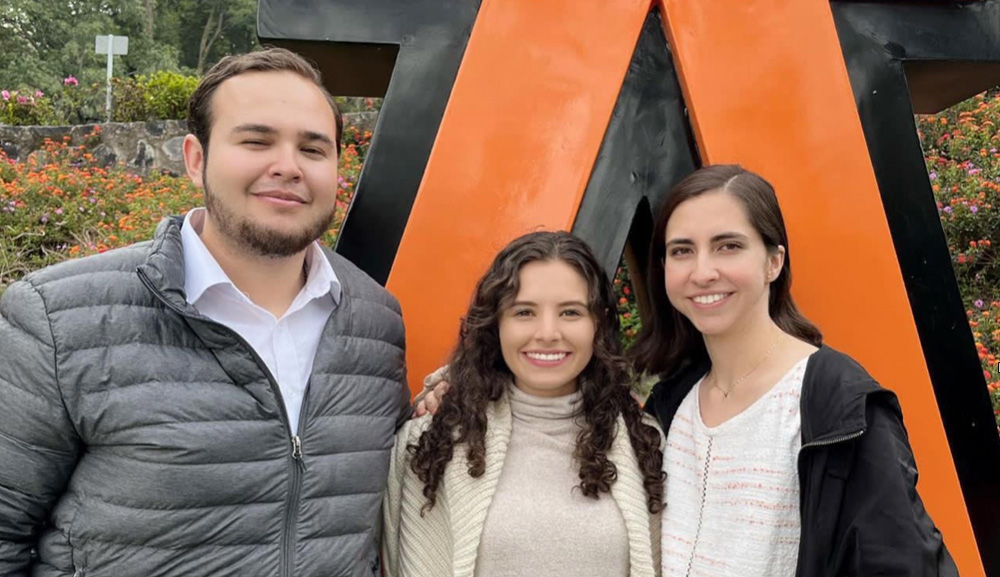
(861, 514)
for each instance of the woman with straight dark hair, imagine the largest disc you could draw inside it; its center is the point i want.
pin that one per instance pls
(539, 461)
(784, 457)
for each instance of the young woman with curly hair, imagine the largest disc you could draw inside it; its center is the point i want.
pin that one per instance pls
(538, 461)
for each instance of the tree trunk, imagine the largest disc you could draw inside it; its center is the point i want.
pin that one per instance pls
(208, 38)
(150, 23)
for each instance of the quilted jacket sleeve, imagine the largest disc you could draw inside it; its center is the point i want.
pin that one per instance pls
(38, 443)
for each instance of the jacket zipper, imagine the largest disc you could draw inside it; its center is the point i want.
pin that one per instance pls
(833, 441)
(298, 466)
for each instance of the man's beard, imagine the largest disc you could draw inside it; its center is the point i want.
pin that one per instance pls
(258, 240)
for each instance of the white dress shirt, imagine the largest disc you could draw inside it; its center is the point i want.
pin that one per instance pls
(287, 345)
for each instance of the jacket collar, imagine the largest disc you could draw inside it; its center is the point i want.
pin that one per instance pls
(835, 392)
(202, 271)
(164, 265)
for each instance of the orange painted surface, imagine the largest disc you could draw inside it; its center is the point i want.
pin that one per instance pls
(767, 87)
(525, 121)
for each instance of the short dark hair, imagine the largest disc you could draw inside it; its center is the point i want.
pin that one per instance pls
(669, 341)
(199, 119)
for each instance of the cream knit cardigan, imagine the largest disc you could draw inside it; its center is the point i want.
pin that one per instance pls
(445, 540)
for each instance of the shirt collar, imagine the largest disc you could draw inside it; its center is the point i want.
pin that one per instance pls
(202, 271)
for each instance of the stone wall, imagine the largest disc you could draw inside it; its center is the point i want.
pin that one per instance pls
(141, 146)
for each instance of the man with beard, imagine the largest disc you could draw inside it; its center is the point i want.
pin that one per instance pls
(222, 399)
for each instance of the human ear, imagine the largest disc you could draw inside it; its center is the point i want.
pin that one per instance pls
(194, 160)
(775, 262)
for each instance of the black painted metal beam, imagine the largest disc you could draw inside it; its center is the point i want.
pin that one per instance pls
(410, 53)
(647, 148)
(879, 42)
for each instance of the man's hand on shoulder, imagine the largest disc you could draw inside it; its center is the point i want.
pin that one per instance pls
(435, 388)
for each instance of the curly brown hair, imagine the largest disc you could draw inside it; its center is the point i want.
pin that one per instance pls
(479, 375)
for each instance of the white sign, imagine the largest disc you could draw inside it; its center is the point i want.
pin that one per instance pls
(110, 45)
(119, 44)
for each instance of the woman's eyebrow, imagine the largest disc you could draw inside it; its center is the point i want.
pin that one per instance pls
(729, 236)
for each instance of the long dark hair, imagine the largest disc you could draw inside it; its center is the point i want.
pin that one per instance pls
(668, 341)
(479, 376)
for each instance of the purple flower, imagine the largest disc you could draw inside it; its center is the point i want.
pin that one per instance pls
(973, 209)
(947, 209)
(45, 218)
(70, 81)
(932, 175)
(979, 304)
(22, 99)
(973, 171)
(58, 211)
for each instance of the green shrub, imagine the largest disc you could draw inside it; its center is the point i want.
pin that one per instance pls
(167, 94)
(78, 103)
(161, 96)
(128, 100)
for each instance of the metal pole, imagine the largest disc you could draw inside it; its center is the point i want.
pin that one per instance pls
(111, 57)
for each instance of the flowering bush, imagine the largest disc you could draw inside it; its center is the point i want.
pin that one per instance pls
(160, 96)
(963, 163)
(25, 107)
(628, 310)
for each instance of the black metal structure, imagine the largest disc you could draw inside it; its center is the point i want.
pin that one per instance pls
(906, 57)
(408, 52)
(647, 148)
(902, 57)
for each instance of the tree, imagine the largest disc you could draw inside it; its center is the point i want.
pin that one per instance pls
(44, 42)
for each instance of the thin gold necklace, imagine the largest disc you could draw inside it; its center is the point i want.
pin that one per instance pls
(725, 393)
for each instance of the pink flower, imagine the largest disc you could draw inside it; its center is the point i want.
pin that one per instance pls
(39, 94)
(5, 94)
(70, 81)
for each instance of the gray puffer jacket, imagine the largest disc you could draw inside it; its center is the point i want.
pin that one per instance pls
(139, 438)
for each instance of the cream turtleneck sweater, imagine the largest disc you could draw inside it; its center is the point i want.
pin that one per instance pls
(539, 522)
(449, 538)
